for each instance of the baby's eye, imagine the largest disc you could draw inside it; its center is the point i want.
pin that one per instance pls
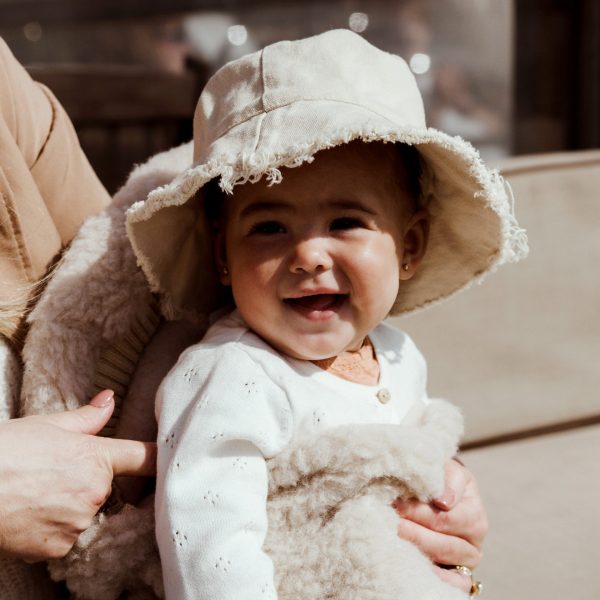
(342, 223)
(267, 228)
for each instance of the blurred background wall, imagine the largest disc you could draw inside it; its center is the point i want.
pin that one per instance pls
(511, 76)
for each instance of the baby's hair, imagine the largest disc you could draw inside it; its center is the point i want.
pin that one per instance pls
(409, 165)
(405, 159)
(213, 198)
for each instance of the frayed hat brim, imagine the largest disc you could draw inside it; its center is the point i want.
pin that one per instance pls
(473, 229)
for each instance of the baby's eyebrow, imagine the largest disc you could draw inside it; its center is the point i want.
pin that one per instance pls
(265, 205)
(347, 204)
(283, 206)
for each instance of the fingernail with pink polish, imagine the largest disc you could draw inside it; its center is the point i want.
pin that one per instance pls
(446, 500)
(103, 399)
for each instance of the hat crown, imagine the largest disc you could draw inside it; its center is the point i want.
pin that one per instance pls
(336, 66)
(277, 108)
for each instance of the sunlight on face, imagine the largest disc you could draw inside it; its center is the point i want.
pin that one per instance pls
(314, 261)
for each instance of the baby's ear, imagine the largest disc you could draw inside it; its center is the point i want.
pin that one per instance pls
(220, 253)
(416, 236)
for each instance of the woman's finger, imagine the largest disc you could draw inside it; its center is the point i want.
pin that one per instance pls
(440, 548)
(467, 521)
(450, 523)
(129, 457)
(455, 484)
(453, 577)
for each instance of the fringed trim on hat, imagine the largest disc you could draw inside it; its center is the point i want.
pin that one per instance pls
(251, 167)
(500, 198)
(516, 247)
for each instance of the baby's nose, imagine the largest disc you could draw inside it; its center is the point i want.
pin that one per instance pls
(310, 256)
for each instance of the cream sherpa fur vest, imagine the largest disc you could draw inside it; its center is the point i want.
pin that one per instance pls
(332, 530)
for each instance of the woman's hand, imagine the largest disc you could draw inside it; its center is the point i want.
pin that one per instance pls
(55, 474)
(451, 529)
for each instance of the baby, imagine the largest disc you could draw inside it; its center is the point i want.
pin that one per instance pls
(318, 204)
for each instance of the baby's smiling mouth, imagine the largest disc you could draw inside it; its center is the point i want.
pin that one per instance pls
(313, 304)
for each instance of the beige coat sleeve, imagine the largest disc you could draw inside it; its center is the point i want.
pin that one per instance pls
(47, 187)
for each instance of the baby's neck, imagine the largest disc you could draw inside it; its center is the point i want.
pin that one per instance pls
(358, 366)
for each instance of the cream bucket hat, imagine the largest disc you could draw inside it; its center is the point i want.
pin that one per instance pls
(277, 108)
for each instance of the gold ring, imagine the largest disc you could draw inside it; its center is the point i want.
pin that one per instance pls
(476, 586)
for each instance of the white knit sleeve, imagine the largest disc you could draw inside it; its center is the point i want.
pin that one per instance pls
(220, 418)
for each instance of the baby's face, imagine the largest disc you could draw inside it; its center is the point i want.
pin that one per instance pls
(314, 262)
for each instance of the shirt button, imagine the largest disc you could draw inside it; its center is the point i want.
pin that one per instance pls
(384, 396)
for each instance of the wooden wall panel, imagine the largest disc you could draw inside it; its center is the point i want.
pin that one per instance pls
(557, 94)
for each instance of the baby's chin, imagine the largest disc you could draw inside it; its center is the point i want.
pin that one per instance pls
(315, 350)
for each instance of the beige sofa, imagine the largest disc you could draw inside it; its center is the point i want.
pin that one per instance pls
(521, 355)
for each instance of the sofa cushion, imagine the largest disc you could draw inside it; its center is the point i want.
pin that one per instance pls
(541, 495)
(521, 350)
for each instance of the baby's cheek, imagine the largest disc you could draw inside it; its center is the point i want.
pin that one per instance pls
(384, 282)
(377, 260)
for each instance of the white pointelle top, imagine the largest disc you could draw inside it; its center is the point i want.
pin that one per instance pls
(230, 403)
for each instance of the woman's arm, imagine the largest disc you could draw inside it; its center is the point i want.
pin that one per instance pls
(47, 187)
